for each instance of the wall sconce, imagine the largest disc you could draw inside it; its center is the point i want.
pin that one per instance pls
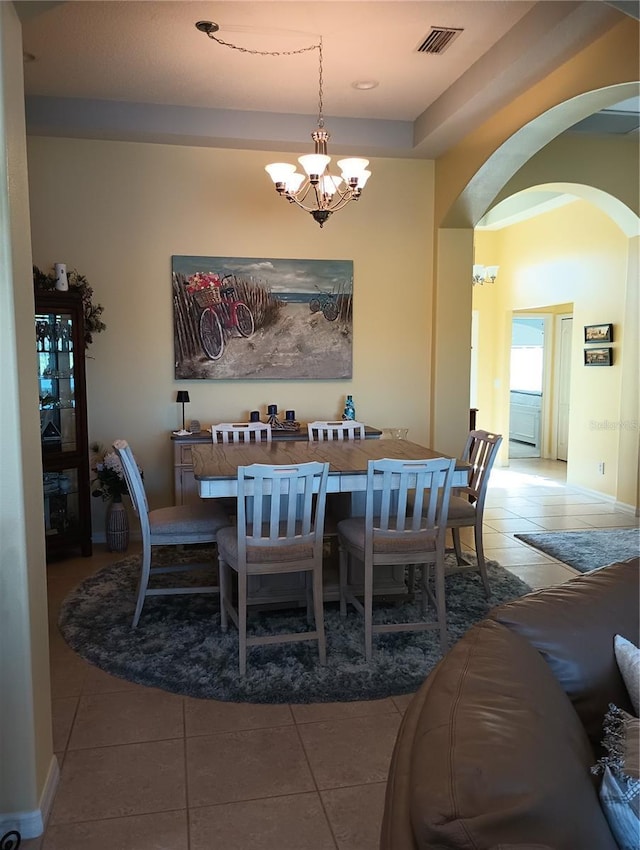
(484, 274)
(182, 398)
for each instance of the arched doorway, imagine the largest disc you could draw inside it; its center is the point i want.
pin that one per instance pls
(470, 178)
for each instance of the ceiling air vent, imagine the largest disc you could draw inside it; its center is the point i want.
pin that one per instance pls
(438, 39)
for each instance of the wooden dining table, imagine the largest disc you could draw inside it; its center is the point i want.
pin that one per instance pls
(215, 465)
(215, 468)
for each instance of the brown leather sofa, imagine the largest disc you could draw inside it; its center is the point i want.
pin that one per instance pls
(495, 748)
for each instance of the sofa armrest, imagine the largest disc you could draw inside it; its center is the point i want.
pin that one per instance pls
(491, 752)
(573, 626)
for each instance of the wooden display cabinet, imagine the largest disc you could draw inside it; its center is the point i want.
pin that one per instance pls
(60, 346)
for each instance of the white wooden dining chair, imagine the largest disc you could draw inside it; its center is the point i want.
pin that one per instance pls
(279, 530)
(466, 508)
(172, 526)
(404, 523)
(241, 432)
(346, 429)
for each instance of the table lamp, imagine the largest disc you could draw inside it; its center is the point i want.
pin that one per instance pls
(182, 398)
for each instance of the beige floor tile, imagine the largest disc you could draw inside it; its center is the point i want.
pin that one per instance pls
(206, 716)
(560, 523)
(97, 681)
(514, 504)
(68, 672)
(160, 831)
(499, 513)
(350, 752)
(355, 815)
(63, 711)
(111, 782)
(314, 712)
(233, 766)
(513, 526)
(278, 823)
(568, 510)
(32, 843)
(543, 575)
(500, 540)
(126, 717)
(402, 702)
(565, 498)
(57, 644)
(512, 557)
(609, 520)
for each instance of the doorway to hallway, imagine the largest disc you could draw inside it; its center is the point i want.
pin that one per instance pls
(526, 380)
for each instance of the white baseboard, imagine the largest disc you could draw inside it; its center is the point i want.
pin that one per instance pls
(31, 824)
(604, 497)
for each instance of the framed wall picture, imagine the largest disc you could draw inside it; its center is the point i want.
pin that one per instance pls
(598, 357)
(598, 333)
(262, 318)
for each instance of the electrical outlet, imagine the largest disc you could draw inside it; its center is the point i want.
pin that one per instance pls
(601, 467)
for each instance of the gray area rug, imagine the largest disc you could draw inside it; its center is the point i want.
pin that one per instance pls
(178, 645)
(587, 550)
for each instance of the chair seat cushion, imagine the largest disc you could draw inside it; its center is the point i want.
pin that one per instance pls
(185, 520)
(283, 552)
(460, 508)
(353, 531)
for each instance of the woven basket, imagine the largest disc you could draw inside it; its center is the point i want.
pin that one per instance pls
(207, 297)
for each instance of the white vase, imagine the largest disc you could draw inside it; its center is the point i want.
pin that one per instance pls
(62, 283)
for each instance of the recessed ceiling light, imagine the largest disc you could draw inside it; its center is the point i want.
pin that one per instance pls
(365, 85)
(28, 57)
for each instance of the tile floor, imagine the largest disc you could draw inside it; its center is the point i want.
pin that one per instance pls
(147, 770)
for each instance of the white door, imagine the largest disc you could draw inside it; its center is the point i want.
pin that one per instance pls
(564, 386)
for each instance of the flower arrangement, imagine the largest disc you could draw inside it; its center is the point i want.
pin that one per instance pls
(109, 481)
(93, 324)
(203, 280)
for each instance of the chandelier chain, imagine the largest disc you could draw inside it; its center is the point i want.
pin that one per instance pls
(308, 49)
(263, 52)
(320, 81)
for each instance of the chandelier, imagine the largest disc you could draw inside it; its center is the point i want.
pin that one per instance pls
(316, 191)
(484, 274)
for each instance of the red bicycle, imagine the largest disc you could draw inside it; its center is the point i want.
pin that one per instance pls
(222, 312)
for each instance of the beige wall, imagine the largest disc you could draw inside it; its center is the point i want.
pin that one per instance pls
(26, 753)
(572, 255)
(118, 211)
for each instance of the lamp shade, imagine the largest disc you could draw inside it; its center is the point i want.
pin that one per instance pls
(183, 396)
(280, 172)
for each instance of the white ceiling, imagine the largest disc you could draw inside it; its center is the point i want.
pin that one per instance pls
(141, 69)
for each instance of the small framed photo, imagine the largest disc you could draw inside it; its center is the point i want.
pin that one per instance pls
(598, 357)
(598, 333)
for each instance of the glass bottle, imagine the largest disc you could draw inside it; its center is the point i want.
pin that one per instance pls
(349, 409)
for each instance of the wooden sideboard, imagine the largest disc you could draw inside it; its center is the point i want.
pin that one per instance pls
(185, 487)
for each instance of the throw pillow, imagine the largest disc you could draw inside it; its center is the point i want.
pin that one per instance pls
(628, 659)
(620, 788)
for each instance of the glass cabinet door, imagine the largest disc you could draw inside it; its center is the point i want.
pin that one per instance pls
(57, 389)
(59, 340)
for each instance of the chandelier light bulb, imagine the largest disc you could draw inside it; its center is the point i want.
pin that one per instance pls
(352, 168)
(294, 181)
(314, 163)
(329, 185)
(362, 179)
(280, 172)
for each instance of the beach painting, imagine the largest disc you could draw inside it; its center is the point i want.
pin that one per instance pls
(262, 318)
